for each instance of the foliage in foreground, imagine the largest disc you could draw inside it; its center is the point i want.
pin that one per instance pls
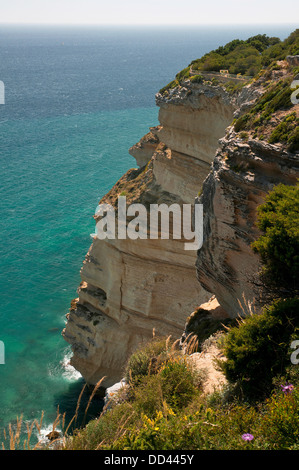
(259, 348)
(152, 418)
(164, 407)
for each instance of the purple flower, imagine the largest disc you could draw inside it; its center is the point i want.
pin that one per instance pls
(288, 388)
(247, 437)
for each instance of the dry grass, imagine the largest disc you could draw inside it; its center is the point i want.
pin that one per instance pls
(14, 438)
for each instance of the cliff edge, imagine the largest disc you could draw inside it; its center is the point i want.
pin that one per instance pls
(132, 287)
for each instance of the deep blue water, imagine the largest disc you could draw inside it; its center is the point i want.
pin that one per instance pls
(76, 99)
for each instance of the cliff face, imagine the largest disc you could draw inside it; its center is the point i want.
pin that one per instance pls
(241, 176)
(131, 287)
(246, 167)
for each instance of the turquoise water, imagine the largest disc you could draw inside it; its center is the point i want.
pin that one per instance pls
(76, 100)
(47, 230)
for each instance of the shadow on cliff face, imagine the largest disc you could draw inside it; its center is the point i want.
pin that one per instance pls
(77, 395)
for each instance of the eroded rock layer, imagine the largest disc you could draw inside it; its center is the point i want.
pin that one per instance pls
(242, 175)
(131, 287)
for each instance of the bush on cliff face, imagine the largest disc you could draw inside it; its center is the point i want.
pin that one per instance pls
(278, 97)
(278, 246)
(287, 131)
(196, 79)
(169, 86)
(158, 372)
(176, 383)
(147, 359)
(259, 348)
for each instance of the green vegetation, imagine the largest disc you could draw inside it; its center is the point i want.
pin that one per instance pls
(287, 131)
(244, 135)
(236, 57)
(248, 57)
(276, 98)
(244, 57)
(183, 74)
(170, 86)
(146, 360)
(232, 86)
(163, 407)
(196, 79)
(167, 411)
(279, 50)
(258, 119)
(278, 246)
(258, 349)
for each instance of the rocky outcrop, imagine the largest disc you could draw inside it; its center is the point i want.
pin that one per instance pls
(206, 363)
(145, 148)
(193, 118)
(241, 176)
(131, 287)
(206, 320)
(293, 60)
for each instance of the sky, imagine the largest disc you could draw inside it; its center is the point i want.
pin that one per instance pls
(154, 12)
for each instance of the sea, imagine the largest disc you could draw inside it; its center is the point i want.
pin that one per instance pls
(76, 99)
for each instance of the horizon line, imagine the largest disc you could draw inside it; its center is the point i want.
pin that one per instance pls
(25, 23)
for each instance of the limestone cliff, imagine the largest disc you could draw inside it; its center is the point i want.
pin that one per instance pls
(242, 175)
(246, 167)
(131, 287)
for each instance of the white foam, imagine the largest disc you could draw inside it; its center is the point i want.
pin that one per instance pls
(69, 372)
(64, 369)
